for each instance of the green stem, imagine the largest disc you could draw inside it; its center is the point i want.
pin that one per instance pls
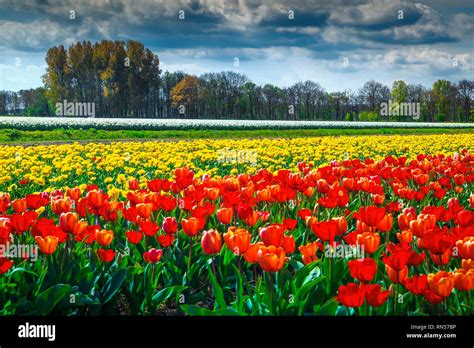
(190, 254)
(270, 285)
(395, 299)
(330, 274)
(213, 268)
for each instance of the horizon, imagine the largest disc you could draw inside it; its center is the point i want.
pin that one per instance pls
(340, 46)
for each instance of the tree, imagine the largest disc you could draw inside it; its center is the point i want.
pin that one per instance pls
(123, 79)
(373, 94)
(399, 94)
(444, 95)
(56, 79)
(184, 95)
(465, 93)
(169, 80)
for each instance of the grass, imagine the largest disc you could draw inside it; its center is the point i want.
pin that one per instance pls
(65, 135)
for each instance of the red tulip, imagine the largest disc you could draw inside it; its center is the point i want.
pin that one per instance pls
(322, 186)
(190, 226)
(61, 205)
(106, 255)
(341, 225)
(5, 265)
(48, 244)
(144, 209)
(404, 220)
(288, 244)
(466, 247)
(237, 240)
(19, 205)
(211, 242)
(104, 237)
(351, 295)
(308, 252)
(22, 222)
(375, 296)
(464, 279)
(371, 215)
(74, 193)
(272, 235)
(397, 276)
(363, 270)
(386, 223)
(416, 284)
(154, 185)
(326, 230)
(34, 201)
(96, 199)
(68, 221)
(134, 237)
(251, 255)
(133, 184)
(225, 215)
(169, 225)
(148, 228)
(290, 223)
(153, 255)
(4, 202)
(378, 199)
(370, 241)
(442, 283)
(165, 240)
(271, 259)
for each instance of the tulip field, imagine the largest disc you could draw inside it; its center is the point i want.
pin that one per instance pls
(339, 226)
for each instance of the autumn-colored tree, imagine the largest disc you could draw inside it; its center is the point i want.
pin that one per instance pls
(184, 95)
(56, 79)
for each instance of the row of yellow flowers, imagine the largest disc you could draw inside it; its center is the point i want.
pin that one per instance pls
(60, 166)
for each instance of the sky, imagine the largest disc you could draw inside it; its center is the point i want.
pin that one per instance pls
(338, 44)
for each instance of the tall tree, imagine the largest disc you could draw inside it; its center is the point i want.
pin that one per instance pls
(184, 96)
(465, 93)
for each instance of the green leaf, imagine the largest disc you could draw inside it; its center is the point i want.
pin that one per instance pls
(48, 299)
(196, 310)
(302, 275)
(328, 308)
(166, 293)
(308, 286)
(341, 310)
(113, 285)
(239, 291)
(228, 256)
(87, 281)
(24, 270)
(219, 295)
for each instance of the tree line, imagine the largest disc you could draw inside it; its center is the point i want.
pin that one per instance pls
(123, 79)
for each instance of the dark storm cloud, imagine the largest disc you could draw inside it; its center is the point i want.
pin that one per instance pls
(221, 24)
(317, 19)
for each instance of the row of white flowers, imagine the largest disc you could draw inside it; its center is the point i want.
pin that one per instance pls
(39, 123)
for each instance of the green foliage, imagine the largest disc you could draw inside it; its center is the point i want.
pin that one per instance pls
(368, 116)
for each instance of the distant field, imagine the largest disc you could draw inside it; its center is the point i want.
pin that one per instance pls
(83, 135)
(64, 129)
(48, 123)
